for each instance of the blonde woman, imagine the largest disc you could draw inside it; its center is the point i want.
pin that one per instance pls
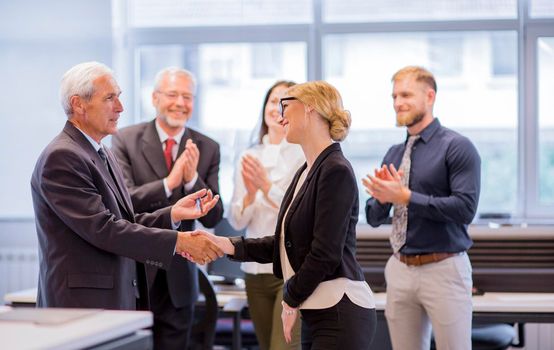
(263, 174)
(314, 244)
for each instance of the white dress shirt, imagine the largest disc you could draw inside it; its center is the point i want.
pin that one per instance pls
(260, 218)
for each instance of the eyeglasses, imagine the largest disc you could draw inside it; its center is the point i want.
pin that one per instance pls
(174, 95)
(282, 106)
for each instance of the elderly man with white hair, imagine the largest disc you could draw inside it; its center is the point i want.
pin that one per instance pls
(92, 245)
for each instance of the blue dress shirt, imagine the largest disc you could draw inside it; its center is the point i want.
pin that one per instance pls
(445, 179)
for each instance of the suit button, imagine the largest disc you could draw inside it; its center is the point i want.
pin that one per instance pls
(288, 244)
(134, 283)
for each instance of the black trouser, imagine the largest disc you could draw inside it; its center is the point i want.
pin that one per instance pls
(344, 326)
(172, 325)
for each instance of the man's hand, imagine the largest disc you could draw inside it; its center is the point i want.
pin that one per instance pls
(175, 177)
(193, 206)
(199, 247)
(224, 243)
(386, 186)
(190, 155)
(288, 317)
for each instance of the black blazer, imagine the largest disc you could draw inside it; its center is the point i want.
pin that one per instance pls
(320, 229)
(140, 154)
(90, 240)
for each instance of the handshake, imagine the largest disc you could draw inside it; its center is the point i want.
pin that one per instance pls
(199, 246)
(203, 247)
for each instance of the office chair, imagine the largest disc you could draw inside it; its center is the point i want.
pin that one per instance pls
(203, 329)
(224, 333)
(209, 330)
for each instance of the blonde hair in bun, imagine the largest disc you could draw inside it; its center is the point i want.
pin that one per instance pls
(326, 100)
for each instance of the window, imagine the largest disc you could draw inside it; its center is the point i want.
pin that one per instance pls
(546, 119)
(406, 10)
(190, 13)
(470, 99)
(493, 83)
(503, 60)
(542, 8)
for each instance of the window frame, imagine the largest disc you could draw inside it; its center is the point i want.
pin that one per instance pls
(529, 209)
(534, 210)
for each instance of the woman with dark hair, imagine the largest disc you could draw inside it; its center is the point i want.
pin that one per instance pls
(263, 174)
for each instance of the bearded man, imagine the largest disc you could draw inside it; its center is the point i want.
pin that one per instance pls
(432, 180)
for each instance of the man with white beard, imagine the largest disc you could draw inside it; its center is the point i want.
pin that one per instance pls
(163, 161)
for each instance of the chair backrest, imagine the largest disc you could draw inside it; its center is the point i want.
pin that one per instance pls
(203, 329)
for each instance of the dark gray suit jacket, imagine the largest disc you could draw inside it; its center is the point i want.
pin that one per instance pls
(90, 240)
(140, 154)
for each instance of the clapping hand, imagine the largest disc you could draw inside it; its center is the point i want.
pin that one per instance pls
(194, 205)
(190, 157)
(255, 178)
(386, 186)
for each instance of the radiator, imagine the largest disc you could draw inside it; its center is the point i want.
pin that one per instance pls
(18, 269)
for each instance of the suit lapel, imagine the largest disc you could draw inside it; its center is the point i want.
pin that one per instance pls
(294, 205)
(287, 201)
(153, 151)
(124, 198)
(76, 135)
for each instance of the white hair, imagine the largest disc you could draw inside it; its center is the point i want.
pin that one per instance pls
(174, 71)
(78, 80)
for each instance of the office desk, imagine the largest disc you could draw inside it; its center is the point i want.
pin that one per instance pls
(504, 307)
(91, 329)
(231, 301)
(490, 307)
(25, 297)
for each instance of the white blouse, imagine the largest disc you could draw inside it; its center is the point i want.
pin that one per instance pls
(327, 293)
(260, 218)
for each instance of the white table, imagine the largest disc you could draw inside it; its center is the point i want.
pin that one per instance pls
(504, 307)
(89, 330)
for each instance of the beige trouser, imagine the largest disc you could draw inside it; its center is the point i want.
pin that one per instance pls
(436, 294)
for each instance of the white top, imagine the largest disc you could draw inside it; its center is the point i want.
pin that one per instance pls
(327, 293)
(260, 218)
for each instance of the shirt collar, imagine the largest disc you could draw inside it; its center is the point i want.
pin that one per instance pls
(163, 135)
(94, 144)
(427, 133)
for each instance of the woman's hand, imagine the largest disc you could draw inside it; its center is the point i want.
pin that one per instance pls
(254, 171)
(288, 316)
(249, 185)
